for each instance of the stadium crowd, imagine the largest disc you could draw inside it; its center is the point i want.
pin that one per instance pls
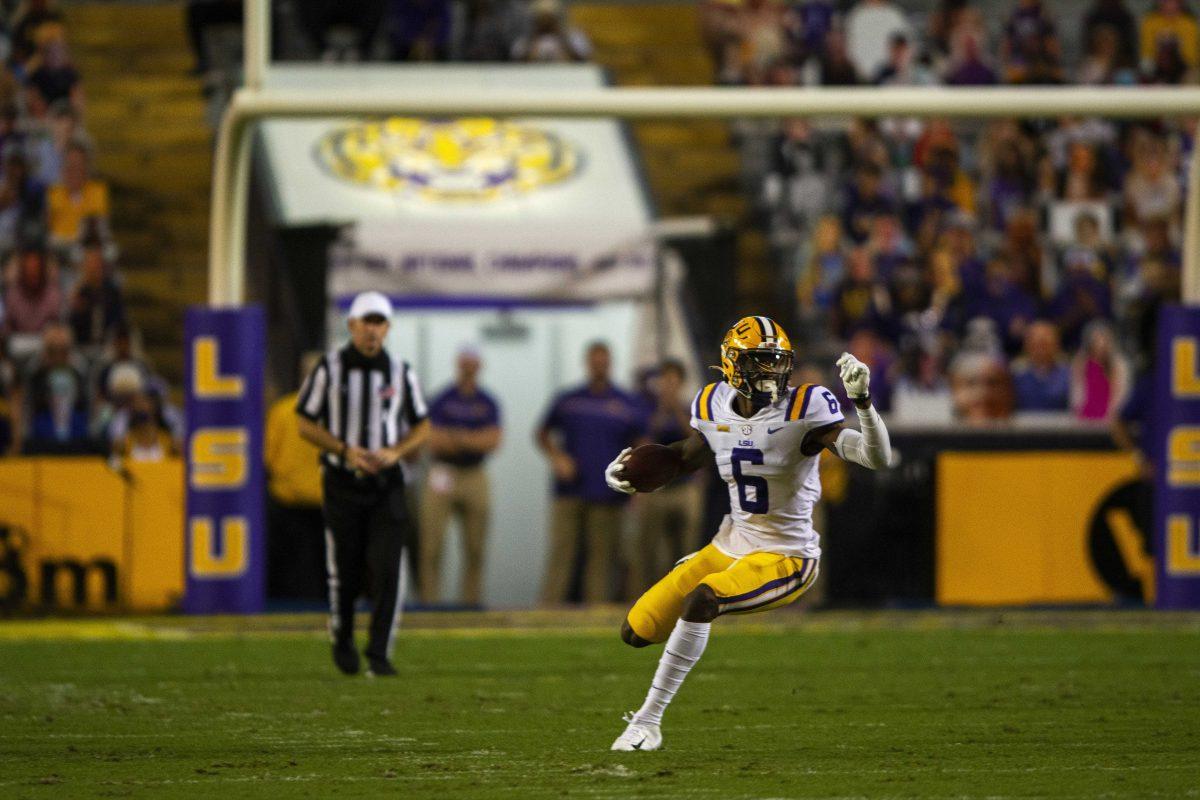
(72, 379)
(982, 269)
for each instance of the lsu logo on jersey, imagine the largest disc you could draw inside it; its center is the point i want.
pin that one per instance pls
(470, 159)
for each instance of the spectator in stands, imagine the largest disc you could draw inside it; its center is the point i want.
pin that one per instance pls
(295, 526)
(1010, 186)
(582, 430)
(1100, 377)
(1153, 262)
(943, 22)
(97, 306)
(1106, 62)
(10, 400)
(980, 388)
(32, 299)
(902, 67)
(870, 28)
(1082, 181)
(1041, 377)
(865, 200)
(1030, 50)
(922, 393)
(836, 66)
(967, 65)
(667, 520)
(122, 383)
(796, 188)
(1005, 302)
(937, 153)
(420, 30)
(825, 267)
(860, 301)
(147, 439)
(807, 24)
(22, 200)
(1021, 249)
(1087, 252)
(56, 77)
(888, 246)
(56, 398)
(1120, 23)
(77, 197)
(360, 18)
(35, 23)
(1172, 27)
(121, 349)
(492, 28)
(552, 38)
(947, 311)
(759, 41)
(1169, 67)
(1151, 190)
(42, 145)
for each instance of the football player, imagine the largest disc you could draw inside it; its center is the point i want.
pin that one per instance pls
(766, 439)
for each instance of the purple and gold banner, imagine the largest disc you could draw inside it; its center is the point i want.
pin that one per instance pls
(224, 531)
(1175, 446)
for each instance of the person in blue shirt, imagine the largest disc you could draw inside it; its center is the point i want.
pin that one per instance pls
(1041, 377)
(465, 429)
(583, 427)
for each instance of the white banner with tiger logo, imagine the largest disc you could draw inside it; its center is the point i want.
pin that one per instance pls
(470, 206)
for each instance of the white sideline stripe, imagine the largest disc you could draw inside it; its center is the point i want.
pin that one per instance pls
(401, 581)
(332, 582)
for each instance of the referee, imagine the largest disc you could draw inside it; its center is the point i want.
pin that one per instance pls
(364, 409)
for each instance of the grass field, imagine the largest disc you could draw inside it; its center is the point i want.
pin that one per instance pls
(823, 705)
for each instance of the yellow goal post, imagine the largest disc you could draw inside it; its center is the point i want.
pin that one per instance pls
(255, 102)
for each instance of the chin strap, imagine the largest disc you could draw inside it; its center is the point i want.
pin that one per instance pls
(872, 448)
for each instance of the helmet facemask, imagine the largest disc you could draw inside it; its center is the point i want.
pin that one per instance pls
(764, 374)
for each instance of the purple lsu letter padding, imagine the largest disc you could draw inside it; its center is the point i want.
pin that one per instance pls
(1175, 588)
(212, 586)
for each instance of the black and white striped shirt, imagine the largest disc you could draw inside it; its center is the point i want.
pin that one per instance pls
(365, 402)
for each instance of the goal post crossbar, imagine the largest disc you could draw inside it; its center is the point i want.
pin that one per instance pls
(251, 105)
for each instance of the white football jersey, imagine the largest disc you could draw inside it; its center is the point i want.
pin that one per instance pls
(772, 485)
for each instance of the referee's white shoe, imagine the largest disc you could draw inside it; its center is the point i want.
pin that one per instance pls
(638, 736)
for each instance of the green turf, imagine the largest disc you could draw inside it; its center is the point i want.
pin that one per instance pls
(819, 711)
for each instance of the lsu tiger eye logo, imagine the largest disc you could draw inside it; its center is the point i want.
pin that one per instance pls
(468, 159)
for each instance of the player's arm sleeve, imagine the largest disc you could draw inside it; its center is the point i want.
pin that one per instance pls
(415, 410)
(871, 448)
(310, 403)
(701, 397)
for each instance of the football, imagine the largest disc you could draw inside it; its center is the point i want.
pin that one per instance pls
(651, 467)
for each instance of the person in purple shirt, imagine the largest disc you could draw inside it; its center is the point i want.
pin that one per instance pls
(1041, 377)
(1003, 301)
(464, 430)
(865, 200)
(579, 434)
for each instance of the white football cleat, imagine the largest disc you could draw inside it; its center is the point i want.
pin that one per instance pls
(638, 736)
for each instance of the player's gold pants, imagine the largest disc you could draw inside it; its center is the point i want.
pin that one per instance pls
(757, 582)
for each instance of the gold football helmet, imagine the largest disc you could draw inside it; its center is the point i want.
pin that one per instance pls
(756, 359)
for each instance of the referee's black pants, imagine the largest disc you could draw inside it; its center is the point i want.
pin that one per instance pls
(367, 526)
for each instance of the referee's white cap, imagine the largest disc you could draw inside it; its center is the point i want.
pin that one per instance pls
(368, 303)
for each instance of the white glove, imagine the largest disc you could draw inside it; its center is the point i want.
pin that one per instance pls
(611, 473)
(856, 376)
